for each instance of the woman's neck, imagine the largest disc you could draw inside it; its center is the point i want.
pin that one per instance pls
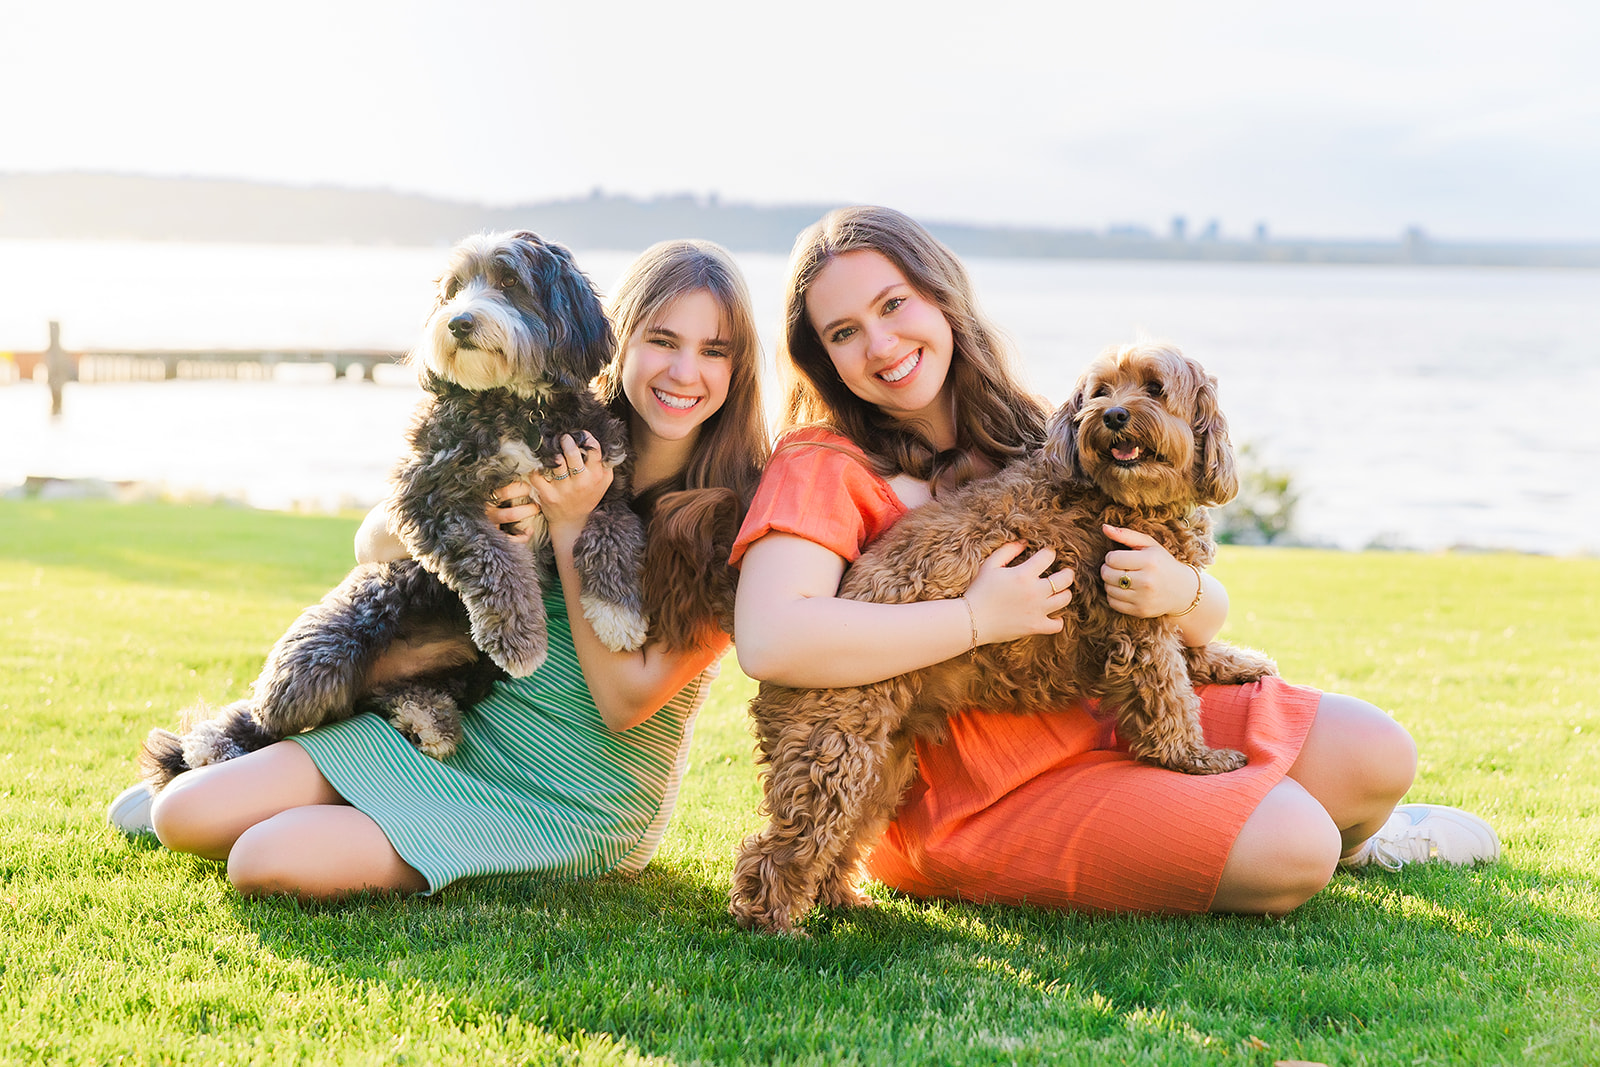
(655, 460)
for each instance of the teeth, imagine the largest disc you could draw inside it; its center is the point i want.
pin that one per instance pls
(677, 403)
(1125, 453)
(903, 368)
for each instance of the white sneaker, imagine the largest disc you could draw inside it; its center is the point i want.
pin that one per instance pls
(130, 812)
(1427, 833)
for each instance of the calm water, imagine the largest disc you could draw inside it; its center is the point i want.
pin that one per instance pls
(1413, 407)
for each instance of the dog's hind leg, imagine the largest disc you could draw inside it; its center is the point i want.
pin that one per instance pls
(609, 558)
(1158, 713)
(1220, 663)
(318, 668)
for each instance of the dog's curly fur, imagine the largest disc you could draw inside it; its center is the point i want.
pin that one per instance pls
(516, 335)
(838, 760)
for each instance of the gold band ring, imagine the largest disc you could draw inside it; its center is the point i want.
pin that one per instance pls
(1051, 578)
(1125, 582)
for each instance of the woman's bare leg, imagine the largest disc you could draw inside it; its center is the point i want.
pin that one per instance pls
(204, 811)
(281, 827)
(1284, 855)
(319, 852)
(1358, 763)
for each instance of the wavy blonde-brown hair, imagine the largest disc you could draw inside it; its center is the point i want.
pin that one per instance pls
(733, 444)
(997, 418)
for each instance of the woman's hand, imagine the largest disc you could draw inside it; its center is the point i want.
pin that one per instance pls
(510, 509)
(1017, 601)
(1145, 580)
(571, 489)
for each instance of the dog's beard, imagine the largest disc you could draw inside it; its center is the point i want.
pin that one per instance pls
(1146, 465)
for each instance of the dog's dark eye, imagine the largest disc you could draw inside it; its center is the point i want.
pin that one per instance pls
(1155, 390)
(1099, 391)
(451, 288)
(507, 281)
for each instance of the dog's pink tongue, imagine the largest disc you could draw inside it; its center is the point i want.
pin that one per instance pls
(1124, 453)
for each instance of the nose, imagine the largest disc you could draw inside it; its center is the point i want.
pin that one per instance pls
(1115, 418)
(461, 326)
(682, 367)
(880, 341)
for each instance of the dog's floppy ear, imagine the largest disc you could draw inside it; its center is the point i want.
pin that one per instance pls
(581, 341)
(1215, 480)
(1061, 433)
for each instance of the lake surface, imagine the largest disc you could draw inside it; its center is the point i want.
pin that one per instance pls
(1413, 407)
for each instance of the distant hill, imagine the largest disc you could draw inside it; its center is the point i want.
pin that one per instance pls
(107, 206)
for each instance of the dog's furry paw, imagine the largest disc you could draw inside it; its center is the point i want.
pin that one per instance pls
(1209, 761)
(517, 658)
(429, 719)
(621, 629)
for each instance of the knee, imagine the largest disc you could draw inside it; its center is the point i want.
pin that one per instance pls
(181, 817)
(1285, 855)
(1389, 755)
(261, 860)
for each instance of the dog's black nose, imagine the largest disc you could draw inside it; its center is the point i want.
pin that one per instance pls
(462, 325)
(1114, 418)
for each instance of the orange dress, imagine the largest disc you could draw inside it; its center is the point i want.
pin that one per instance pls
(1042, 808)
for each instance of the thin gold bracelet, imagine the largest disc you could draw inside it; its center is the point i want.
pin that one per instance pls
(972, 617)
(1199, 591)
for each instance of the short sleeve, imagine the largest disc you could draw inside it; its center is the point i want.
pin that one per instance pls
(818, 486)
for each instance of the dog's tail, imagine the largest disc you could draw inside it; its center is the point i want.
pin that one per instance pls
(688, 583)
(206, 738)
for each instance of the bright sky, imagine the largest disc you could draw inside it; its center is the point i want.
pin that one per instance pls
(1473, 120)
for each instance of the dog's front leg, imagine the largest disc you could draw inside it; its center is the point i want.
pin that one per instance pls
(818, 786)
(609, 558)
(498, 581)
(1158, 713)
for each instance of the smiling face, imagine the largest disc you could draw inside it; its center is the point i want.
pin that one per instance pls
(890, 345)
(676, 368)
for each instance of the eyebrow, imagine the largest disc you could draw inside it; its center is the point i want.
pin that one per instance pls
(662, 331)
(879, 296)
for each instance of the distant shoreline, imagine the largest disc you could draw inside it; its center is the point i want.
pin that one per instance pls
(84, 206)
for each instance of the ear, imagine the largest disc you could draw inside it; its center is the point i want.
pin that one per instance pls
(1215, 480)
(580, 334)
(1061, 435)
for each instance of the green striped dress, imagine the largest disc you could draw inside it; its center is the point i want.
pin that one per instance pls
(538, 785)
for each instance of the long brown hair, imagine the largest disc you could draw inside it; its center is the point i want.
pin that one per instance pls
(733, 443)
(997, 419)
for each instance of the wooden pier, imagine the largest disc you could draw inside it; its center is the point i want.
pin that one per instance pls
(138, 365)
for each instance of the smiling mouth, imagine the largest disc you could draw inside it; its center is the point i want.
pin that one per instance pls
(676, 403)
(1127, 453)
(903, 368)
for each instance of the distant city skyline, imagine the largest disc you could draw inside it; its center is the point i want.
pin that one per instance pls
(1466, 120)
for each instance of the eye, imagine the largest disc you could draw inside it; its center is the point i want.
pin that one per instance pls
(506, 281)
(1100, 391)
(893, 304)
(452, 286)
(1154, 389)
(714, 353)
(841, 335)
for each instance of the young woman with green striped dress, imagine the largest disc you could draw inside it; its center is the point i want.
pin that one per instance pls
(571, 772)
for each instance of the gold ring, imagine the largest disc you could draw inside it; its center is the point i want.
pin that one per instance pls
(1051, 578)
(1125, 582)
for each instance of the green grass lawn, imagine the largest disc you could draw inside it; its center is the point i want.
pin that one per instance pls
(116, 951)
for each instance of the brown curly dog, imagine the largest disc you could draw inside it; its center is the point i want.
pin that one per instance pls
(1141, 444)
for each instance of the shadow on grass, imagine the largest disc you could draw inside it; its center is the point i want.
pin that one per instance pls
(1407, 965)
